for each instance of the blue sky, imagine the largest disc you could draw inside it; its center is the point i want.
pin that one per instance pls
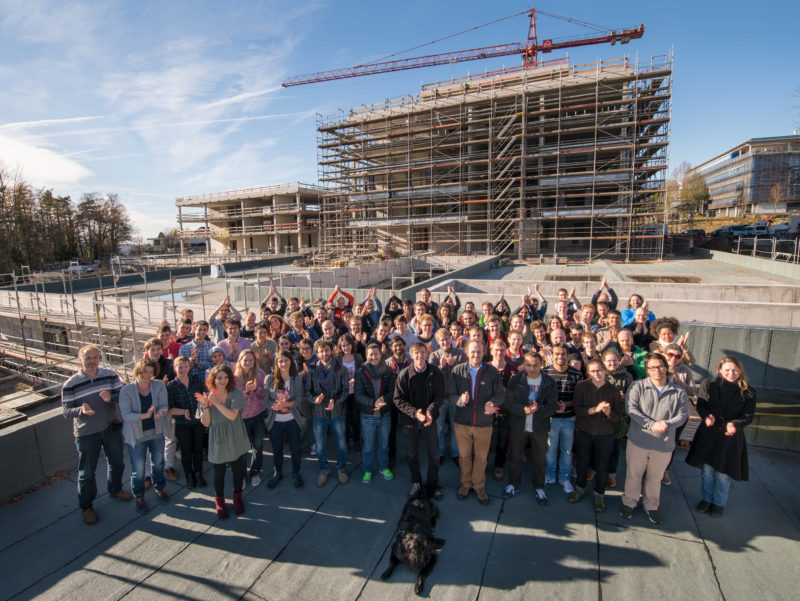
(154, 100)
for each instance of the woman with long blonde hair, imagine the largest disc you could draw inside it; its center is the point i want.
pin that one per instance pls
(726, 404)
(250, 380)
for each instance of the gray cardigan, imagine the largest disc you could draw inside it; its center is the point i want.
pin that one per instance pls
(296, 396)
(130, 408)
(646, 407)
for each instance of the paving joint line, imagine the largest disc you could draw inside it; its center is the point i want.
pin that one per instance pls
(702, 538)
(489, 549)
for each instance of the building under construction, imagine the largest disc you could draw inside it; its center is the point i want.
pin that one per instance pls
(561, 160)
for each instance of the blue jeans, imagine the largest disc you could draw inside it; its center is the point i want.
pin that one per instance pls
(447, 415)
(370, 426)
(562, 433)
(110, 440)
(321, 425)
(714, 486)
(256, 427)
(138, 455)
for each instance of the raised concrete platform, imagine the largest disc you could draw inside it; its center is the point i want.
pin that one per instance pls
(332, 543)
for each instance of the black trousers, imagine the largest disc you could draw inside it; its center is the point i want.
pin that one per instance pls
(587, 446)
(414, 434)
(352, 420)
(518, 438)
(238, 470)
(190, 438)
(502, 438)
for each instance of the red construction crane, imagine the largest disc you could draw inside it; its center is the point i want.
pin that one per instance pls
(529, 51)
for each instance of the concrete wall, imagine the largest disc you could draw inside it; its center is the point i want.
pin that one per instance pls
(775, 305)
(35, 449)
(788, 270)
(359, 278)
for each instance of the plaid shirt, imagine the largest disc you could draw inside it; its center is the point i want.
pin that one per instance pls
(181, 397)
(203, 357)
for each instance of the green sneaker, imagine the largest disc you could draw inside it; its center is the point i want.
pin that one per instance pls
(599, 503)
(387, 474)
(575, 495)
(367, 478)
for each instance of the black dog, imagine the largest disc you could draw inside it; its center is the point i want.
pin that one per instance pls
(415, 545)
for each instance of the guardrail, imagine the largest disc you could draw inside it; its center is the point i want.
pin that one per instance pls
(771, 248)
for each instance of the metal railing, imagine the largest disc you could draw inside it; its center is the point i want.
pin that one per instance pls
(787, 251)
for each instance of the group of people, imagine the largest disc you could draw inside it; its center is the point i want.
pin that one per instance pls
(571, 386)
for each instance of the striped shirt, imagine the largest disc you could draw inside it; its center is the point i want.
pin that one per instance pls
(80, 389)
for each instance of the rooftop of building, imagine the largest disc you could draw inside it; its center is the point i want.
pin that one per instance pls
(768, 141)
(245, 193)
(333, 542)
(506, 82)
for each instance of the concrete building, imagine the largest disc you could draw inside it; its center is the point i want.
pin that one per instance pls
(271, 219)
(562, 160)
(761, 175)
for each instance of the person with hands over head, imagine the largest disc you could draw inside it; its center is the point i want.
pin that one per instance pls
(327, 389)
(726, 404)
(476, 389)
(374, 387)
(216, 323)
(656, 408)
(284, 392)
(188, 430)
(418, 395)
(90, 399)
(531, 398)
(609, 296)
(221, 412)
(275, 302)
(143, 405)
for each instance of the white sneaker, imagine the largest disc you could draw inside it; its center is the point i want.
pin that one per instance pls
(567, 486)
(255, 480)
(510, 491)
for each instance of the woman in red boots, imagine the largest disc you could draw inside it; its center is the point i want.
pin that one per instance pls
(221, 412)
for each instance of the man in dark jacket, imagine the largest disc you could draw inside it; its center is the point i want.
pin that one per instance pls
(475, 388)
(373, 393)
(531, 399)
(328, 387)
(418, 395)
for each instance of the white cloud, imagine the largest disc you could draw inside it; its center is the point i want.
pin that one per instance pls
(47, 122)
(40, 166)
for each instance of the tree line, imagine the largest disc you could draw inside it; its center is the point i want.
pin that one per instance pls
(39, 228)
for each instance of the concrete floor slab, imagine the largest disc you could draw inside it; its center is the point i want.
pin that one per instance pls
(676, 569)
(332, 543)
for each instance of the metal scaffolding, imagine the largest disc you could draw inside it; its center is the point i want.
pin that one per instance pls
(557, 161)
